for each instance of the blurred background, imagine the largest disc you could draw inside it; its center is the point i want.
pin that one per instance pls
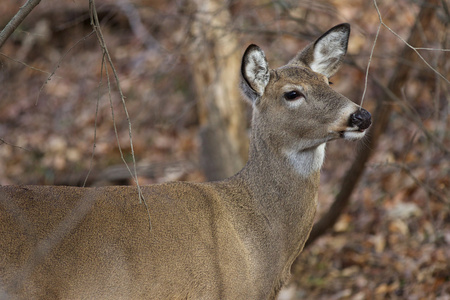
(178, 65)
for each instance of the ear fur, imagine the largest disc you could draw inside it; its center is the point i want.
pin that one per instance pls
(255, 73)
(326, 53)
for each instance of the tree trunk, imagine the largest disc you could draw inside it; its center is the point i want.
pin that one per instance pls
(215, 60)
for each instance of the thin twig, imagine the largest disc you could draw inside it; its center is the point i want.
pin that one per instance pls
(368, 65)
(96, 120)
(2, 141)
(380, 122)
(433, 49)
(97, 29)
(430, 190)
(59, 63)
(24, 64)
(418, 121)
(408, 110)
(407, 44)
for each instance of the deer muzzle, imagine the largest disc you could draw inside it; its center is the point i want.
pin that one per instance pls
(361, 119)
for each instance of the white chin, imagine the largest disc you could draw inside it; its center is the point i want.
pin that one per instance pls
(353, 135)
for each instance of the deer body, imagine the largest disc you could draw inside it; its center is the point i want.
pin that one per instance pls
(231, 239)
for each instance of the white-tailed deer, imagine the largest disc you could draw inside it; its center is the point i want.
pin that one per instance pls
(231, 239)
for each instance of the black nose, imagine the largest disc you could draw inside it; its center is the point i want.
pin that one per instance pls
(362, 119)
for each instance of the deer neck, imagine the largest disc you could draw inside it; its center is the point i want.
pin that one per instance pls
(292, 175)
(284, 182)
(284, 199)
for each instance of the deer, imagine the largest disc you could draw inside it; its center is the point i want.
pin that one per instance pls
(231, 239)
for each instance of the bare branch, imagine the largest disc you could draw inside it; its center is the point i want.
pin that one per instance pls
(368, 64)
(16, 20)
(408, 44)
(2, 141)
(430, 190)
(59, 63)
(432, 49)
(107, 57)
(380, 123)
(25, 64)
(415, 49)
(95, 124)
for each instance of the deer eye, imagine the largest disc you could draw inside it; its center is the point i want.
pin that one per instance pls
(293, 95)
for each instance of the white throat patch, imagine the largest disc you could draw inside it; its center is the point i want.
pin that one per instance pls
(306, 162)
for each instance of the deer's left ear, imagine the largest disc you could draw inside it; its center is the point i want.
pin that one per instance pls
(326, 53)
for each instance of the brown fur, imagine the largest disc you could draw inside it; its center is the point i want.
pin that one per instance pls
(231, 239)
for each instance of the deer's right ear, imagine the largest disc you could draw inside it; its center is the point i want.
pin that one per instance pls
(255, 73)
